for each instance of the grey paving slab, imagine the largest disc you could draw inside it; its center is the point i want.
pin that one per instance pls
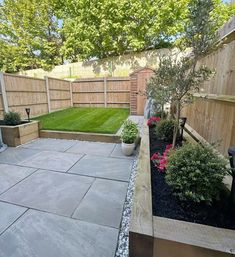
(103, 167)
(117, 153)
(92, 148)
(17, 155)
(50, 160)
(8, 214)
(12, 174)
(39, 234)
(51, 144)
(49, 191)
(103, 204)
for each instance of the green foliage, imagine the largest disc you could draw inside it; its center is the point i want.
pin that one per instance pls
(195, 173)
(30, 35)
(45, 33)
(108, 28)
(129, 132)
(165, 129)
(12, 118)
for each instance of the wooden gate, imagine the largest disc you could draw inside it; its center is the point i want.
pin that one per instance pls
(139, 81)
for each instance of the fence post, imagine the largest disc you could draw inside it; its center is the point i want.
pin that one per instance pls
(48, 94)
(105, 92)
(71, 93)
(4, 94)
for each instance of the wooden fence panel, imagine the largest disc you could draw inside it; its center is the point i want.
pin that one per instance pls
(118, 92)
(101, 92)
(212, 114)
(23, 92)
(59, 94)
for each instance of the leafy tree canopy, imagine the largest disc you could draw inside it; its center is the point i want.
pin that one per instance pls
(29, 35)
(44, 33)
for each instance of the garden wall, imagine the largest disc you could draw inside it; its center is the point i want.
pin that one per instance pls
(212, 114)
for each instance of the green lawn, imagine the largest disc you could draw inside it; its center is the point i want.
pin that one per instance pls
(98, 120)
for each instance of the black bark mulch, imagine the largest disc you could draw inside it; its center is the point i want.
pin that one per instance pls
(165, 204)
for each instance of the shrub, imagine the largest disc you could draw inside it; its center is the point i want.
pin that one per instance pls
(129, 132)
(12, 118)
(165, 129)
(195, 173)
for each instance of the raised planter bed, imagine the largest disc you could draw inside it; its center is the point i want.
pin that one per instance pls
(20, 134)
(154, 236)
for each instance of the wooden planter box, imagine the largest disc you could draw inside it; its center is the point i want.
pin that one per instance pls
(20, 134)
(152, 236)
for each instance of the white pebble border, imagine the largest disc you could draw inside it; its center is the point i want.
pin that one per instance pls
(123, 239)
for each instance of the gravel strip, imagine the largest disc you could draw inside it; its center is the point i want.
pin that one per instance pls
(123, 239)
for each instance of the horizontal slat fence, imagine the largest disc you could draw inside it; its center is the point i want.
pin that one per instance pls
(51, 94)
(212, 114)
(102, 92)
(24, 92)
(40, 95)
(60, 93)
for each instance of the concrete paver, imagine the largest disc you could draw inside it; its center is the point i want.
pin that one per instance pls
(39, 234)
(62, 198)
(103, 167)
(12, 174)
(50, 160)
(9, 213)
(92, 148)
(49, 191)
(50, 144)
(17, 155)
(103, 203)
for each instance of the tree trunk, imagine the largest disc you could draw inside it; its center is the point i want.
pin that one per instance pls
(162, 110)
(176, 127)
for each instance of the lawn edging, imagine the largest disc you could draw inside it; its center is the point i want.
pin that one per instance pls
(83, 136)
(153, 236)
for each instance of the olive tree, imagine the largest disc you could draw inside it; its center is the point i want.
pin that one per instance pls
(180, 77)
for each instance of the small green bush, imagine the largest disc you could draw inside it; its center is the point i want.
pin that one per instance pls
(129, 132)
(12, 118)
(195, 173)
(164, 129)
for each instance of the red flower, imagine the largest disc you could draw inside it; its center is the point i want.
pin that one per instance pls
(152, 120)
(160, 161)
(155, 156)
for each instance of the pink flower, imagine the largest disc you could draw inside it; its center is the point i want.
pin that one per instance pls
(160, 161)
(154, 156)
(168, 147)
(152, 120)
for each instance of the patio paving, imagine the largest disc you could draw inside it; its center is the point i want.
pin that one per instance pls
(103, 167)
(62, 198)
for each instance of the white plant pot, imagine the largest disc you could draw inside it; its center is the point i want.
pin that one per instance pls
(128, 149)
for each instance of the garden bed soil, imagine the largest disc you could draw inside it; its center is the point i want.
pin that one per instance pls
(165, 204)
(2, 123)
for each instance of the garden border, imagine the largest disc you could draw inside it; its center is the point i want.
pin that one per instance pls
(83, 136)
(152, 236)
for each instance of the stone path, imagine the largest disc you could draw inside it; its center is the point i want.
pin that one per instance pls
(62, 198)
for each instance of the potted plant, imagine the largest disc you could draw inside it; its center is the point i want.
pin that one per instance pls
(128, 136)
